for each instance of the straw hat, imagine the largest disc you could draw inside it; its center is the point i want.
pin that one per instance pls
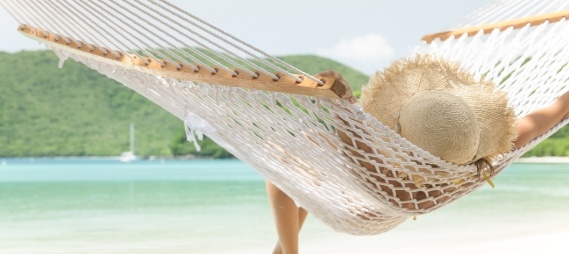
(442, 109)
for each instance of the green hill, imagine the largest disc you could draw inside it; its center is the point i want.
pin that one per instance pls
(74, 111)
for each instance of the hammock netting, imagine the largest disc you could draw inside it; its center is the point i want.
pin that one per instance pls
(335, 160)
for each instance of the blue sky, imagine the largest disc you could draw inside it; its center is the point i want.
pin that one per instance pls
(364, 34)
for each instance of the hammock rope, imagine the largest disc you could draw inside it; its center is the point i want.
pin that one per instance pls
(510, 9)
(76, 26)
(332, 158)
(174, 22)
(262, 55)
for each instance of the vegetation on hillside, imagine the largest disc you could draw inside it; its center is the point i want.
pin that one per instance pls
(74, 111)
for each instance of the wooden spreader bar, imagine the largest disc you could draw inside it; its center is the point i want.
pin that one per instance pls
(486, 29)
(331, 88)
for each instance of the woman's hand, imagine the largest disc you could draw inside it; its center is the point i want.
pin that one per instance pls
(542, 120)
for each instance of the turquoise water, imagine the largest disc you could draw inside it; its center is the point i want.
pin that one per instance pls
(216, 206)
(104, 205)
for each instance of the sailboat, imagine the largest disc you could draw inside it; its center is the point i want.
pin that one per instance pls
(129, 156)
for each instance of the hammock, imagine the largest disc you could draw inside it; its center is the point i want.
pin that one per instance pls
(285, 123)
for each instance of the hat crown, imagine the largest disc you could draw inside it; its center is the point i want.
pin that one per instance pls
(441, 123)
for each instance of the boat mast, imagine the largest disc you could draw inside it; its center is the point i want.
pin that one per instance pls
(132, 137)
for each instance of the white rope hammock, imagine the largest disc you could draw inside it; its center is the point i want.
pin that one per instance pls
(284, 122)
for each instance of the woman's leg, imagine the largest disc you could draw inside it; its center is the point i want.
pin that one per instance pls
(540, 121)
(288, 219)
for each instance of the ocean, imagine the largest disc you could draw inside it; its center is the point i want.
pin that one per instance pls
(220, 206)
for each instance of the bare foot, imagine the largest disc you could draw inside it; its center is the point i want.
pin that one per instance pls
(277, 249)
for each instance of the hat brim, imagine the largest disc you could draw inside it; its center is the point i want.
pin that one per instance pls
(387, 91)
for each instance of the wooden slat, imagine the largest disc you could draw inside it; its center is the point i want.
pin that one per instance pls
(486, 29)
(332, 88)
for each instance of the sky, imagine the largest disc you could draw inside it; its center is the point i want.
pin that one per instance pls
(364, 34)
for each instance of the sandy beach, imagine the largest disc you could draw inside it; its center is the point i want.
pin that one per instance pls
(541, 236)
(564, 160)
(544, 239)
(552, 242)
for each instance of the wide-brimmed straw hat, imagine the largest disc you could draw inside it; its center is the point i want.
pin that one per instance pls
(442, 109)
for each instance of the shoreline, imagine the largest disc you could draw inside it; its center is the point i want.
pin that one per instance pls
(141, 158)
(546, 159)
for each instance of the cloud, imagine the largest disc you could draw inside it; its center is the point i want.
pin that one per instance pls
(366, 53)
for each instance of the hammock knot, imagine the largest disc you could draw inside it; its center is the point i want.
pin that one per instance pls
(62, 55)
(195, 128)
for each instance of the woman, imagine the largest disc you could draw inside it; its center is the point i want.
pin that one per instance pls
(289, 218)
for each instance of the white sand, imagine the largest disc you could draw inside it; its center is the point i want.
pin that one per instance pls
(549, 237)
(543, 160)
(554, 241)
